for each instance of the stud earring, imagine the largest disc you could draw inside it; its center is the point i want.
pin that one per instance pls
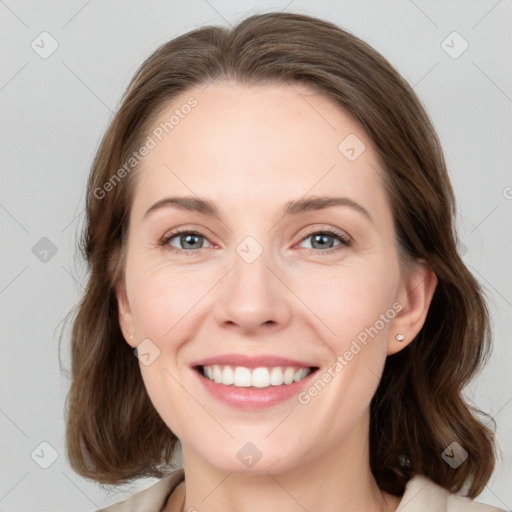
(400, 337)
(131, 336)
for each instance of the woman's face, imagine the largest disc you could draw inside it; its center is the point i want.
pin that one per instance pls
(270, 280)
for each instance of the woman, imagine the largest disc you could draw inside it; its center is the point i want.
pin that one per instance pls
(270, 231)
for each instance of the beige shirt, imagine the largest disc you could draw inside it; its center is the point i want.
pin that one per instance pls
(421, 495)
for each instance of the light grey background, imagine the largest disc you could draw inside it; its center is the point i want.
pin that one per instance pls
(54, 112)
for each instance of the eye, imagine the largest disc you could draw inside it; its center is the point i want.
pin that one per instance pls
(185, 241)
(322, 240)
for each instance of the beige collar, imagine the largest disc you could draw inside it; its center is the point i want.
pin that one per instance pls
(421, 495)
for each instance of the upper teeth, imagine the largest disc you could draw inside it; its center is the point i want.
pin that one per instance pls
(261, 377)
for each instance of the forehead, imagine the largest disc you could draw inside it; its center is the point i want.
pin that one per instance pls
(245, 143)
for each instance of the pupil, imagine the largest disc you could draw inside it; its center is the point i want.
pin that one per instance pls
(321, 239)
(188, 238)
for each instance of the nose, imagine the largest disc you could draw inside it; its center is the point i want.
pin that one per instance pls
(254, 297)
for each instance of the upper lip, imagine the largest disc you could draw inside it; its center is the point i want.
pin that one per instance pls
(251, 361)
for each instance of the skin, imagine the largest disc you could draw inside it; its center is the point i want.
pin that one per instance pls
(250, 150)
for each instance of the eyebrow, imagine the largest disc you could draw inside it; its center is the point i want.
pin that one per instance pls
(206, 207)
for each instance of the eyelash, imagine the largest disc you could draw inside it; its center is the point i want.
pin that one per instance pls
(343, 238)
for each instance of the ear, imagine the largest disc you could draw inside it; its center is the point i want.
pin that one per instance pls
(415, 295)
(125, 315)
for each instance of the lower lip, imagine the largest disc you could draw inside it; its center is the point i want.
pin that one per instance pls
(254, 398)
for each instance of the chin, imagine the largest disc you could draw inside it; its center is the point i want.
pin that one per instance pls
(251, 458)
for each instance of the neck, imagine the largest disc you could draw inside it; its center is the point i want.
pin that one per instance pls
(338, 479)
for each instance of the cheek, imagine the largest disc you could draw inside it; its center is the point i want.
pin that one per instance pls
(161, 297)
(357, 306)
(348, 302)
(161, 306)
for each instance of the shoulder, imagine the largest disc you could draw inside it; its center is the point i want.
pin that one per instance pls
(422, 494)
(151, 499)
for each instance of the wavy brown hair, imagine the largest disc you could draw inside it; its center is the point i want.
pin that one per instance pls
(114, 434)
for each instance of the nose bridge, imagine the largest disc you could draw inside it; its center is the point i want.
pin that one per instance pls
(251, 279)
(253, 295)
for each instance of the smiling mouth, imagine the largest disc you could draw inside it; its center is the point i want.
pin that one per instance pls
(261, 377)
